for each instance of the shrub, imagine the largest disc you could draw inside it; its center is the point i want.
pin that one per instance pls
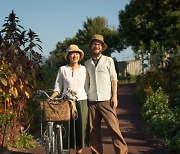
(24, 141)
(161, 119)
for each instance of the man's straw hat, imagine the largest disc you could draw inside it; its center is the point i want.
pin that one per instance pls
(99, 38)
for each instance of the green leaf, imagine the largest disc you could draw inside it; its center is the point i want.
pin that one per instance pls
(3, 81)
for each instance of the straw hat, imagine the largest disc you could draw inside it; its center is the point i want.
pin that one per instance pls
(73, 48)
(99, 38)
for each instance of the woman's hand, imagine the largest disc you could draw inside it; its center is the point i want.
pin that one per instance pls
(73, 92)
(54, 94)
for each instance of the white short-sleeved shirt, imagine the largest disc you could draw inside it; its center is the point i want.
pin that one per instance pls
(73, 79)
(100, 78)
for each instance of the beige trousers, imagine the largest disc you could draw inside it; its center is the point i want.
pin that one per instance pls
(97, 111)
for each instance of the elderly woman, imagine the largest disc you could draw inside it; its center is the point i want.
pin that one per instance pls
(73, 76)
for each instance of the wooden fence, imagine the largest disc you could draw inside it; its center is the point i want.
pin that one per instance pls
(133, 67)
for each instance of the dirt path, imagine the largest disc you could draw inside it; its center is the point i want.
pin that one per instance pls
(135, 132)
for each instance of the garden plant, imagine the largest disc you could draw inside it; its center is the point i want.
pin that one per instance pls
(19, 65)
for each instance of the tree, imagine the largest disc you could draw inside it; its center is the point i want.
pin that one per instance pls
(19, 65)
(100, 25)
(148, 21)
(83, 36)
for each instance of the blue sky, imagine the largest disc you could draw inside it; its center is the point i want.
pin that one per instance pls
(55, 20)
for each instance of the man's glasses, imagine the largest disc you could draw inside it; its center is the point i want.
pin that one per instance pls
(96, 44)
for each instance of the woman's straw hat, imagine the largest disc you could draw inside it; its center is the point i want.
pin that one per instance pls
(73, 48)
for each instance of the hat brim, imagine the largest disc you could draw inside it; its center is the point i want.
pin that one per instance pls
(70, 51)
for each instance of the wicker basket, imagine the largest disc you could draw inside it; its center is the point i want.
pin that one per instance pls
(56, 111)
